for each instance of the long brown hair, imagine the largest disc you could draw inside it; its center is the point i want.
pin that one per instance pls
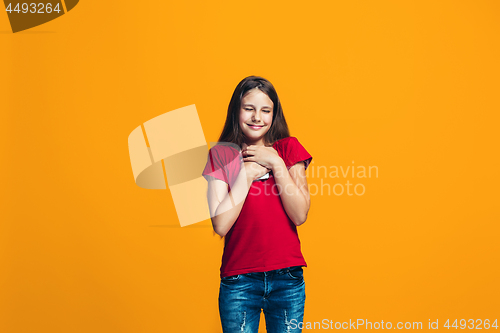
(232, 131)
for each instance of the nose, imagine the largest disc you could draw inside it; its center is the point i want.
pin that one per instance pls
(256, 116)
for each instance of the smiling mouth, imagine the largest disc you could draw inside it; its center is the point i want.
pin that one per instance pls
(255, 125)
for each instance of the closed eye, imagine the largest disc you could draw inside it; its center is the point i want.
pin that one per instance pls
(250, 109)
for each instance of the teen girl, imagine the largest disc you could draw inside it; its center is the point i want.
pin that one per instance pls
(258, 195)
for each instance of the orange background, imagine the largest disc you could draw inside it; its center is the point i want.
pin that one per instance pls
(409, 87)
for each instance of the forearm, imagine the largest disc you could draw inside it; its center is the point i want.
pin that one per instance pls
(230, 207)
(295, 201)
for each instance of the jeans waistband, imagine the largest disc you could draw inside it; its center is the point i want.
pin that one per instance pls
(277, 271)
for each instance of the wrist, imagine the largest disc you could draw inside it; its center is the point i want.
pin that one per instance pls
(278, 164)
(248, 173)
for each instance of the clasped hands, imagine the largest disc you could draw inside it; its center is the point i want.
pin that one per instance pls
(265, 159)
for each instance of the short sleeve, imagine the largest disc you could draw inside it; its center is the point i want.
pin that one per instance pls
(224, 163)
(292, 152)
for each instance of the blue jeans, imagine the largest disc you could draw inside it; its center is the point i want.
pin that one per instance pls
(280, 293)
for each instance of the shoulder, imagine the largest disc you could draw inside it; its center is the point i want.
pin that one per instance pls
(226, 147)
(287, 144)
(224, 151)
(291, 140)
(292, 151)
(223, 156)
(223, 162)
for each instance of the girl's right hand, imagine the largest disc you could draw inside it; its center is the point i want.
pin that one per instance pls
(254, 170)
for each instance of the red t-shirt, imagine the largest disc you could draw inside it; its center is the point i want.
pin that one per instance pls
(263, 238)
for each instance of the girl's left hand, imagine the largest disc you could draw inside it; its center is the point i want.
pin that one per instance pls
(265, 156)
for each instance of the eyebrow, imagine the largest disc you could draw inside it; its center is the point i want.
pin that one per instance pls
(265, 106)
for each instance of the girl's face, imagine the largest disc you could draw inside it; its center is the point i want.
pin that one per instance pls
(256, 116)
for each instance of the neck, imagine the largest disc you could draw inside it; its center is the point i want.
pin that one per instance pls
(259, 142)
